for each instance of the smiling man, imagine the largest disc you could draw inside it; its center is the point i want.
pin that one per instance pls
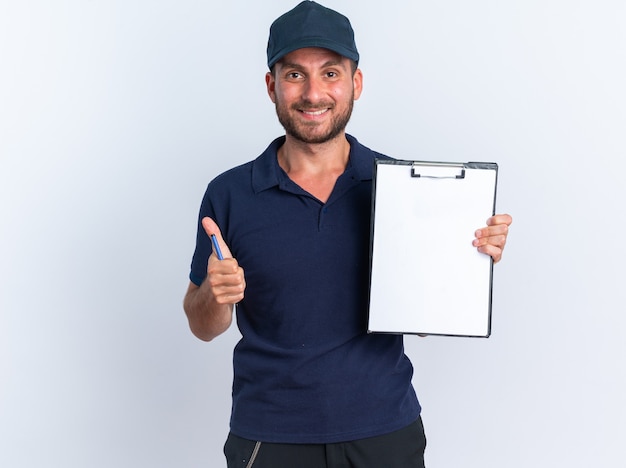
(314, 91)
(312, 388)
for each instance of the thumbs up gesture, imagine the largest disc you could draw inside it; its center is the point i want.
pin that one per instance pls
(225, 277)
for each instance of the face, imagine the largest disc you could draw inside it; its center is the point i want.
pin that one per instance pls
(314, 91)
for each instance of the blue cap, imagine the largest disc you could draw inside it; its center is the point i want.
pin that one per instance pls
(311, 25)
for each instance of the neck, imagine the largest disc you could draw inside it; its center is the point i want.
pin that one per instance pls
(315, 167)
(296, 156)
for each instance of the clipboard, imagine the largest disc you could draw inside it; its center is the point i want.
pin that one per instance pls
(426, 277)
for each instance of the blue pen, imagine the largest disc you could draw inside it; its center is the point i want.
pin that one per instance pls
(216, 246)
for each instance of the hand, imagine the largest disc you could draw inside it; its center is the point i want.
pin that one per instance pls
(491, 240)
(225, 277)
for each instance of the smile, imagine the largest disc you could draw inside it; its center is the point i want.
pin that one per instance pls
(316, 112)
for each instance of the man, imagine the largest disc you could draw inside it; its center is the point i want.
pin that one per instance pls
(311, 387)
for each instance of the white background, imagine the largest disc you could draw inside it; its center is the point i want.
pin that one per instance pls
(114, 115)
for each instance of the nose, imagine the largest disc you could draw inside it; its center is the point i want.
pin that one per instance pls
(313, 89)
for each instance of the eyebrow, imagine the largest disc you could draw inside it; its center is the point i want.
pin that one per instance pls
(329, 63)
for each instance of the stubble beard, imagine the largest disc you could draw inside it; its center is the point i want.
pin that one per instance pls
(307, 133)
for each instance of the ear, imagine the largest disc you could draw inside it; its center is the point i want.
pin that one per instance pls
(270, 83)
(357, 81)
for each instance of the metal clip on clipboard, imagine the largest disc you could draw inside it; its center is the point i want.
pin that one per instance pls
(438, 170)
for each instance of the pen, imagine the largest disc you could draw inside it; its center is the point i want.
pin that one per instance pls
(216, 246)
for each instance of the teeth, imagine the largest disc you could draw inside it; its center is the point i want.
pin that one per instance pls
(319, 112)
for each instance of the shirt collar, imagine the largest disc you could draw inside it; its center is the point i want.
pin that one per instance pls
(265, 167)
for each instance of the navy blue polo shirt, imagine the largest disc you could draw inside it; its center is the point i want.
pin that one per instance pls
(305, 369)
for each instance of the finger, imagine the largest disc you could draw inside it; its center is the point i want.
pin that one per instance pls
(492, 231)
(497, 241)
(493, 251)
(226, 279)
(500, 219)
(211, 227)
(228, 288)
(496, 225)
(491, 240)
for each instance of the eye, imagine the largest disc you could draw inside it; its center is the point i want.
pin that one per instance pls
(294, 75)
(331, 74)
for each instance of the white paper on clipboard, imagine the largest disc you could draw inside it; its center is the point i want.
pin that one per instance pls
(426, 277)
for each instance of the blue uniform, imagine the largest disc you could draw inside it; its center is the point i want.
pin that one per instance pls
(305, 370)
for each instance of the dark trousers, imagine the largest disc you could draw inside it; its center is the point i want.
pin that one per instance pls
(399, 449)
